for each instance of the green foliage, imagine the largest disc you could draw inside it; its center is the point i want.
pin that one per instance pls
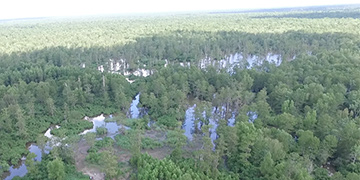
(267, 165)
(246, 134)
(53, 167)
(321, 174)
(127, 140)
(107, 161)
(151, 168)
(90, 138)
(135, 123)
(109, 165)
(352, 176)
(307, 108)
(4, 166)
(72, 174)
(149, 143)
(106, 142)
(93, 157)
(176, 138)
(123, 141)
(308, 144)
(168, 121)
(31, 165)
(56, 169)
(72, 128)
(101, 131)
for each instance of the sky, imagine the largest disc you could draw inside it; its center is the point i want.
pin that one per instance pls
(11, 9)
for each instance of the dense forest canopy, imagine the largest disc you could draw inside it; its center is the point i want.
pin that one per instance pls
(294, 120)
(17, 36)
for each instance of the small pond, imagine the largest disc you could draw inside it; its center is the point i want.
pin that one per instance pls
(99, 121)
(21, 170)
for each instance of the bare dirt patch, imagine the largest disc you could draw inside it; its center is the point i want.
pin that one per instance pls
(122, 154)
(81, 153)
(159, 153)
(153, 134)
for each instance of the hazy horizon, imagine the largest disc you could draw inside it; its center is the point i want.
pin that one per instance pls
(19, 9)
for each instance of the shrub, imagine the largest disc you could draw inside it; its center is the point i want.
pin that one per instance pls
(106, 142)
(101, 131)
(168, 121)
(149, 143)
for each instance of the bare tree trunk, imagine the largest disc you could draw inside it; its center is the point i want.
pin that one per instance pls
(103, 78)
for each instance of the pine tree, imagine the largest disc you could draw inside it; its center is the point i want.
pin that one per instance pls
(267, 165)
(56, 169)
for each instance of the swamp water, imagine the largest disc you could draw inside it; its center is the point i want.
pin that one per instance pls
(216, 114)
(98, 121)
